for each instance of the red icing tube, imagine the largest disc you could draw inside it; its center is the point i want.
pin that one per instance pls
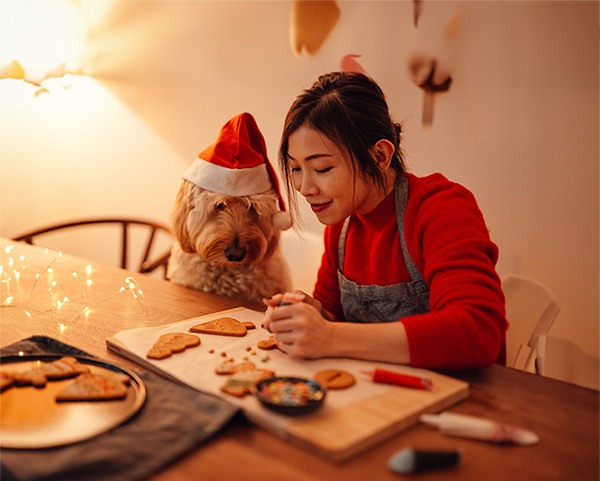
(398, 379)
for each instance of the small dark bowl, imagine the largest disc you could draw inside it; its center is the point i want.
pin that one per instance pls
(290, 395)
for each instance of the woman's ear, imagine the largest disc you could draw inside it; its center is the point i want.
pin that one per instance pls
(382, 152)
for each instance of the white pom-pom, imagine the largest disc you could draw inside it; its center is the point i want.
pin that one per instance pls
(282, 220)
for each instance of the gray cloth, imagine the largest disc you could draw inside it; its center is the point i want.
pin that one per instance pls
(174, 420)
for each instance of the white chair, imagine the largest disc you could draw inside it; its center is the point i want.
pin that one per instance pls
(562, 359)
(530, 310)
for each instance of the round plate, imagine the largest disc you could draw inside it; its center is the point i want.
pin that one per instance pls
(30, 417)
(289, 395)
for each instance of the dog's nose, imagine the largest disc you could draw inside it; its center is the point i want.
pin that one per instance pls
(235, 252)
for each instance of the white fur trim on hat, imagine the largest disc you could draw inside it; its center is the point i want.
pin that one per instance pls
(235, 182)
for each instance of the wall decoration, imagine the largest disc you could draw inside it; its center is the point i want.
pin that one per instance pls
(417, 6)
(311, 23)
(350, 64)
(424, 75)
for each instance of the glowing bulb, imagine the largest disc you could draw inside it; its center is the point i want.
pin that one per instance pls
(89, 282)
(88, 269)
(9, 300)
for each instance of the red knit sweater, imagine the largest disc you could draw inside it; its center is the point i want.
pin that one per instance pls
(448, 241)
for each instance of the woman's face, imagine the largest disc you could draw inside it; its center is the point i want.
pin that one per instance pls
(323, 174)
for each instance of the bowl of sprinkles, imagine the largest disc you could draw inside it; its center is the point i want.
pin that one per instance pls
(289, 395)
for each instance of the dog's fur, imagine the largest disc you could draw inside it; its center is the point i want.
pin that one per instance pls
(227, 245)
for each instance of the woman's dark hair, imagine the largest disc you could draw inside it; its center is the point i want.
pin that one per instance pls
(350, 109)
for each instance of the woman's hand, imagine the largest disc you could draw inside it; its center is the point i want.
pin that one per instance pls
(295, 320)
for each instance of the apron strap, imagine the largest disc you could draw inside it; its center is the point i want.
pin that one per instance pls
(401, 191)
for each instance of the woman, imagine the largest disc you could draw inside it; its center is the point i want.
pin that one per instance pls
(408, 263)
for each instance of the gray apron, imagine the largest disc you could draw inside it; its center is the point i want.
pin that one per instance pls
(373, 303)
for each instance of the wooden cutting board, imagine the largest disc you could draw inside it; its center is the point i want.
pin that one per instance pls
(349, 422)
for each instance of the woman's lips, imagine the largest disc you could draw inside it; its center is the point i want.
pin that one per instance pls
(318, 208)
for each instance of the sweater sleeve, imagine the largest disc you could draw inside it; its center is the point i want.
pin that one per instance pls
(327, 288)
(449, 242)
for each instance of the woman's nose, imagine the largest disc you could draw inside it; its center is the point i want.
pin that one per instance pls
(306, 186)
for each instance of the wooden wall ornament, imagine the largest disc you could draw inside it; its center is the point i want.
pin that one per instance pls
(417, 7)
(311, 22)
(429, 86)
(350, 64)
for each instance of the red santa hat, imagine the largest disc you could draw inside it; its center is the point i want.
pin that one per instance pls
(237, 164)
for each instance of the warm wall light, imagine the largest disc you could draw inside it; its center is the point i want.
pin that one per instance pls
(41, 39)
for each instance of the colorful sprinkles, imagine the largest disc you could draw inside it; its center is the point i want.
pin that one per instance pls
(290, 392)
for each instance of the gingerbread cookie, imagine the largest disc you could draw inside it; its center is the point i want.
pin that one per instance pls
(241, 383)
(249, 325)
(268, 344)
(63, 368)
(31, 377)
(334, 379)
(6, 380)
(170, 343)
(95, 387)
(223, 326)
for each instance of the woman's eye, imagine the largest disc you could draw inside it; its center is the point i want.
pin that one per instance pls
(296, 169)
(323, 171)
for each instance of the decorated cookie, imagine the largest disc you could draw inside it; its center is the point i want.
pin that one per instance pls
(223, 326)
(241, 383)
(94, 387)
(334, 379)
(63, 368)
(249, 325)
(170, 343)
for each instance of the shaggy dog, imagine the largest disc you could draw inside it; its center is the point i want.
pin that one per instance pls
(227, 245)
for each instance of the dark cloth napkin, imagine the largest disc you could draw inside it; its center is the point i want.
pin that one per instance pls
(174, 420)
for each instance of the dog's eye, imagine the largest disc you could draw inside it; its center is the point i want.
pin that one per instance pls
(220, 206)
(252, 209)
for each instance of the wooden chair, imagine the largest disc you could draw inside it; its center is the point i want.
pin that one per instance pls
(530, 310)
(150, 229)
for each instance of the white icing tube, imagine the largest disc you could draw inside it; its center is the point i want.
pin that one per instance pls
(479, 428)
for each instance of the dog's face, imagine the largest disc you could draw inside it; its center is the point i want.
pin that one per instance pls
(225, 229)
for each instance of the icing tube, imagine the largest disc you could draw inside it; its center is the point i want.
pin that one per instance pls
(398, 379)
(479, 428)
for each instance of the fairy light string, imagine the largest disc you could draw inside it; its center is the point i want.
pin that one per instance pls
(66, 292)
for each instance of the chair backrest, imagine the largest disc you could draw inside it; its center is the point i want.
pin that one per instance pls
(148, 260)
(562, 359)
(530, 310)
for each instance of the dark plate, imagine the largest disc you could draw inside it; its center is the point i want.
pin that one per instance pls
(290, 395)
(32, 419)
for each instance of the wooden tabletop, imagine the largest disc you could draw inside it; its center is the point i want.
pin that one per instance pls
(54, 302)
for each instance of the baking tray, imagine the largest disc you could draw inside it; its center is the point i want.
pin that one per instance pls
(30, 418)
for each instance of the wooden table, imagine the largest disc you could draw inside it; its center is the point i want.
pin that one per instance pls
(565, 416)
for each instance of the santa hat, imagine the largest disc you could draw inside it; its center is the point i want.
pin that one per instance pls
(237, 164)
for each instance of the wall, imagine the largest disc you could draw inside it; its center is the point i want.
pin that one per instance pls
(519, 125)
